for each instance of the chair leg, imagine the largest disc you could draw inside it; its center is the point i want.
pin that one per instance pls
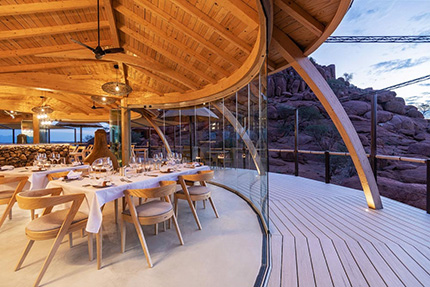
(156, 229)
(178, 231)
(82, 232)
(116, 211)
(70, 240)
(195, 204)
(90, 246)
(176, 207)
(32, 214)
(193, 210)
(142, 241)
(124, 203)
(7, 212)
(140, 201)
(123, 234)
(10, 214)
(48, 259)
(213, 207)
(24, 254)
(204, 204)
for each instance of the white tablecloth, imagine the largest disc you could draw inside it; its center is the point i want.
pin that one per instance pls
(95, 198)
(37, 179)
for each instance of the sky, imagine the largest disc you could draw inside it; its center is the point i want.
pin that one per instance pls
(383, 65)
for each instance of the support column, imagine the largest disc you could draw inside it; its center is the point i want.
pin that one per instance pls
(125, 131)
(373, 127)
(36, 129)
(304, 67)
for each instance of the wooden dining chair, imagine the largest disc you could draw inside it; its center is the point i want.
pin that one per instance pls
(79, 153)
(85, 171)
(195, 193)
(52, 224)
(149, 213)
(9, 196)
(57, 175)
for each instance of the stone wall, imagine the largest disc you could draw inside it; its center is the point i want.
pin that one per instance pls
(23, 155)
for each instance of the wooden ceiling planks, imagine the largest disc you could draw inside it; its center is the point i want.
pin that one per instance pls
(175, 50)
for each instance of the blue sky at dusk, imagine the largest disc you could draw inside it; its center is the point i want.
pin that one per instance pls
(383, 65)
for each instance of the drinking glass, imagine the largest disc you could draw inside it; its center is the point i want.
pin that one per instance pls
(156, 161)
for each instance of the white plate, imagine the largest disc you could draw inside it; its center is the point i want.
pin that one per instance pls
(108, 184)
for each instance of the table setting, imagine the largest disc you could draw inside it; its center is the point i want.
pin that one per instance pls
(103, 184)
(42, 166)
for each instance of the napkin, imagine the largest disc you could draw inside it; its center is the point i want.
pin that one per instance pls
(102, 182)
(7, 167)
(76, 163)
(73, 175)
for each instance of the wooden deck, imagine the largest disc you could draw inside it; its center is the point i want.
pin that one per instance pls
(324, 235)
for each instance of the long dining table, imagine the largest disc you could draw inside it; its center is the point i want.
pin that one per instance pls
(39, 179)
(97, 197)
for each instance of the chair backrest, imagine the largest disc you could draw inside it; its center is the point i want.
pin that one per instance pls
(36, 199)
(166, 188)
(80, 148)
(21, 179)
(201, 176)
(57, 175)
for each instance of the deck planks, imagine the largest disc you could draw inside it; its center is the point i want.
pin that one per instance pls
(331, 238)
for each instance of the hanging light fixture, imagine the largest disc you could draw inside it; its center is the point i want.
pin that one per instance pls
(102, 100)
(42, 112)
(117, 88)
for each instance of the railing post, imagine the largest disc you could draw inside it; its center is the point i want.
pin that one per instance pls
(296, 143)
(428, 186)
(327, 166)
(373, 120)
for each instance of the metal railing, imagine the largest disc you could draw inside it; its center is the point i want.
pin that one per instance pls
(327, 155)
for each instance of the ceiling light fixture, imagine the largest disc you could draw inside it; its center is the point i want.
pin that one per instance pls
(42, 112)
(102, 100)
(117, 88)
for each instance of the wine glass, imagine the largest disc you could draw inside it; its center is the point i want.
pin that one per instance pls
(57, 157)
(156, 161)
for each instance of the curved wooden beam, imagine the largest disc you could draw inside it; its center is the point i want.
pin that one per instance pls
(329, 29)
(304, 67)
(158, 131)
(243, 135)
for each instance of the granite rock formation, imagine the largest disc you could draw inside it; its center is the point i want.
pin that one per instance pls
(401, 131)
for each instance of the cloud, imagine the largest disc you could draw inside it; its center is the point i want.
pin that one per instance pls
(356, 14)
(419, 17)
(425, 84)
(388, 66)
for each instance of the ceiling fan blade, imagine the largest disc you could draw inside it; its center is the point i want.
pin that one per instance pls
(99, 107)
(71, 54)
(114, 50)
(82, 44)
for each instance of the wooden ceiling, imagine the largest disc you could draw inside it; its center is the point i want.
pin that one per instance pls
(176, 52)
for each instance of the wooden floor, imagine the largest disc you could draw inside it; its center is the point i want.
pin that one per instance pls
(324, 235)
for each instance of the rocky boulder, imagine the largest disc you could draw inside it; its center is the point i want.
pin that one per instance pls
(358, 108)
(421, 149)
(396, 105)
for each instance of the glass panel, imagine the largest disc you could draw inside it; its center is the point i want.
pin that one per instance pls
(5, 136)
(230, 136)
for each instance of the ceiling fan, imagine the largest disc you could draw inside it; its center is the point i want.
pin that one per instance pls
(95, 108)
(98, 51)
